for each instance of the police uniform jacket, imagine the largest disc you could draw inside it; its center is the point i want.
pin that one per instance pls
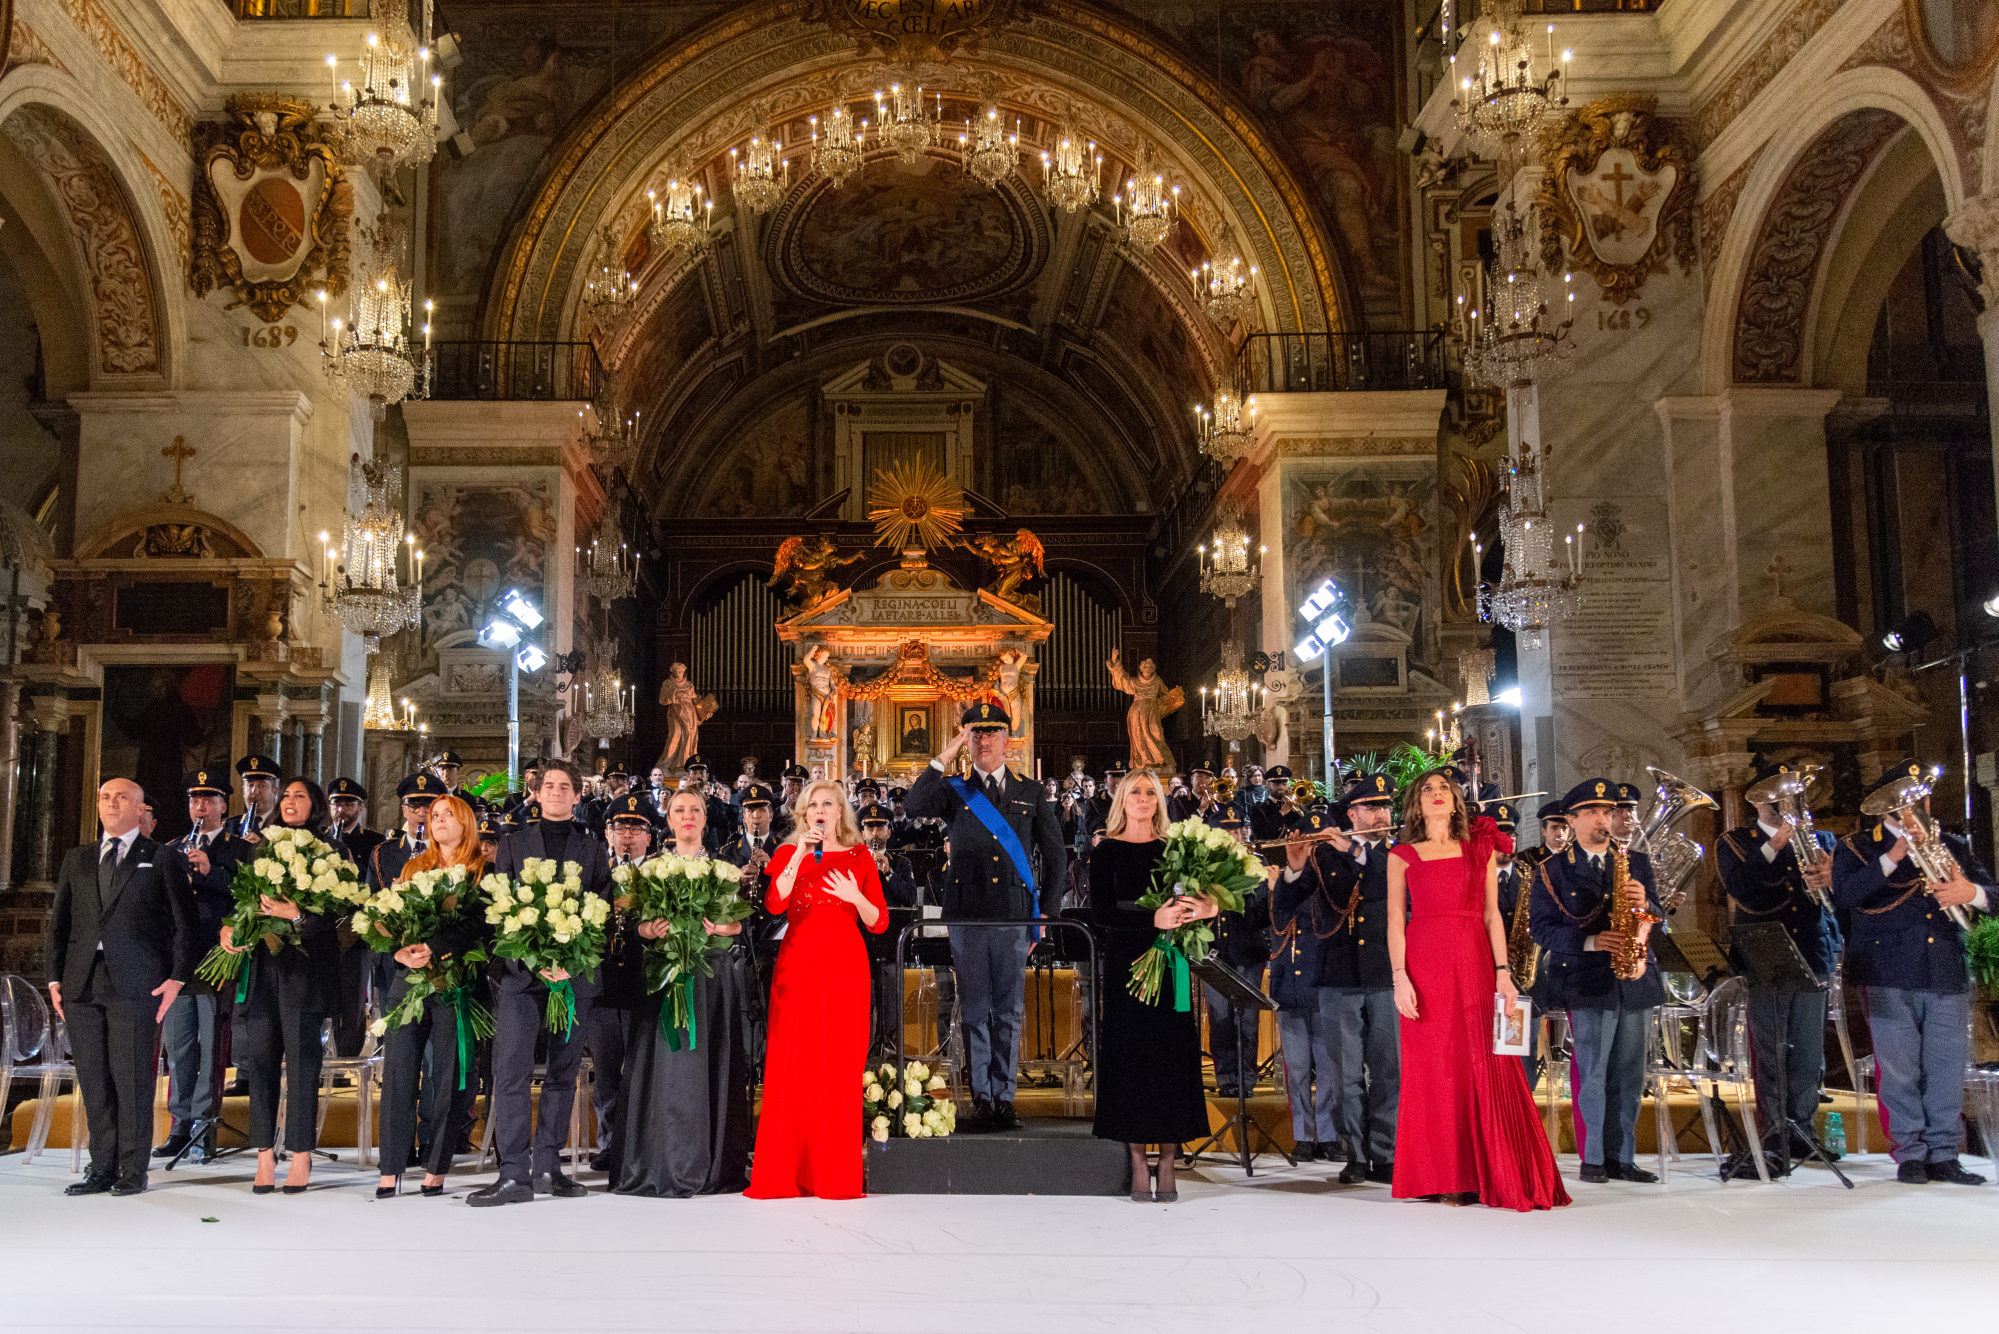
(760, 927)
(1571, 903)
(1242, 939)
(1303, 924)
(386, 861)
(212, 900)
(983, 883)
(1764, 890)
(1355, 958)
(1266, 819)
(1897, 935)
(621, 978)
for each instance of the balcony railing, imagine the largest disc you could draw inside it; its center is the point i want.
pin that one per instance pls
(541, 372)
(1281, 363)
(301, 9)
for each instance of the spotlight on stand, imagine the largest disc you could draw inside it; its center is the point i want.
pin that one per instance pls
(1509, 697)
(1324, 612)
(510, 626)
(1992, 605)
(1910, 634)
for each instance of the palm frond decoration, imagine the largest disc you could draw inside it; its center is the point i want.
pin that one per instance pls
(1409, 764)
(911, 498)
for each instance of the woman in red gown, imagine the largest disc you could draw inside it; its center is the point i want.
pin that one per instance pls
(1466, 1129)
(824, 881)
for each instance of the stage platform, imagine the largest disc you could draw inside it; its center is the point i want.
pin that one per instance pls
(1289, 1249)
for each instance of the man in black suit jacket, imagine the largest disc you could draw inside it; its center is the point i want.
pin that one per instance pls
(990, 963)
(530, 1162)
(121, 946)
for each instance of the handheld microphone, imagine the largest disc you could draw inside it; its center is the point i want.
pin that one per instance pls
(819, 848)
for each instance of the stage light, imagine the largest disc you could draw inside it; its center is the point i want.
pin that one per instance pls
(1510, 696)
(500, 633)
(1910, 634)
(1315, 606)
(1333, 630)
(1992, 605)
(522, 610)
(531, 658)
(1306, 649)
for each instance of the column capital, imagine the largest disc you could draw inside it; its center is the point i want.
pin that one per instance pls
(50, 712)
(1975, 226)
(274, 708)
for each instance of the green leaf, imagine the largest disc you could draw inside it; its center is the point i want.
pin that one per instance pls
(211, 1220)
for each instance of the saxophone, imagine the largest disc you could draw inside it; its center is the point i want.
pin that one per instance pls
(1630, 923)
(1523, 956)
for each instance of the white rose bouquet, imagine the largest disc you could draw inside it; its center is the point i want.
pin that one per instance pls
(1198, 860)
(293, 864)
(683, 892)
(410, 912)
(921, 1108)
(547, 920)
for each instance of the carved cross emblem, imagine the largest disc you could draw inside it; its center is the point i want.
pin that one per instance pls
(179, 451)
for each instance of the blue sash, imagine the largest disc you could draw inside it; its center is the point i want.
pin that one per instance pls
(988, 815)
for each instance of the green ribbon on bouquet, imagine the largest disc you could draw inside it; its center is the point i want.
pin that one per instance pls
(247, 971)
(682, 990)
(561, 1007)
(458, 998)
(1176, 958)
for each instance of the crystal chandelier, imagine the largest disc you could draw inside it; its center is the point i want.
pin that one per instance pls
(1537, 587)
(1145, 204)
(370, 351)
(1502, 99)
(609, 291)
(1230, 710)
(759, 175)
(843, 150)
(989, 151)
(390, 118)
(1226, 287)
(682, 220)
(1225, 432)
(1228, 572)
(607, 569)
(358, 582)
(1071, 172)
(903, 126)
(379, 714)
(1518, 333)
(615, 442)
(609, 706)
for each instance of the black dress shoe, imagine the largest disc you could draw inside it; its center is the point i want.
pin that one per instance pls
(1333, 1151)
(560, 1186)
(981, 1119)
(174, 1144)
(134, 1184)
(1381, 1174)
(1353, 1173)
(600, 1162)
(1594, 1173)
(1953, 1172)
(1631, 1172)
(90, 1185)
(1004, 1118)
(501, 1192)
(1913, 1173)
(1227, 1091)
(1305, 1151)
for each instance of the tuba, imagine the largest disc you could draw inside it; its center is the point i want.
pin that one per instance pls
(1786, 791)
(1927, 850)
(1675, 857)
(1630, 923)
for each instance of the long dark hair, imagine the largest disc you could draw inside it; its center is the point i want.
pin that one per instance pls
(319, 818)
(1415, 828)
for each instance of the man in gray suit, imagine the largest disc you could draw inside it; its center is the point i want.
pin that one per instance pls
(985, 884)
(121, 946)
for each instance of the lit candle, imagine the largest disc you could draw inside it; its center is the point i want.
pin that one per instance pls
(333, 80)
(322, 317)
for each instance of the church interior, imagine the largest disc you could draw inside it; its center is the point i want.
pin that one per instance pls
(806, 368)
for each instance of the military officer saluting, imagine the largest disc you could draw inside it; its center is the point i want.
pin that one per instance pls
(1569, 913)
(1358, 981)
(1767, 881)
(1906, 954)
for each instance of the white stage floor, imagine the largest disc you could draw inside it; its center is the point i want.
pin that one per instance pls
(1289, 1250)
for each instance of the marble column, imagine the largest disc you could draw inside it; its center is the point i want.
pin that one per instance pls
(1975, 226)
(311, 716)
(385, 761)
(10, 774)
(271, 728)
(51, 714)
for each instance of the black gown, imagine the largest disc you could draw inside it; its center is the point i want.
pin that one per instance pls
(683, 1125)
(1149, 1056)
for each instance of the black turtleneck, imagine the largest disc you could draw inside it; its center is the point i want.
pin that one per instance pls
(555, 839)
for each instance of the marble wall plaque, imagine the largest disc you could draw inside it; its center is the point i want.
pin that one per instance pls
(1620, 646)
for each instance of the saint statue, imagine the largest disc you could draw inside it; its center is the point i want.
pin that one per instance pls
(1151, 701)
(1012, 695)
(686, 709)
(822, 682)
(864, 748)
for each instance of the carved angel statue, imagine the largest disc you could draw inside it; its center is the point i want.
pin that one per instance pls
(1151, 701)
(864, 748)
(1016, 561)
(686, 709)
(809, 564)
(822, 681)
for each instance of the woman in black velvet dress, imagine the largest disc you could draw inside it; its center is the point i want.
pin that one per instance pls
(1149, 1056)
(684, 1124)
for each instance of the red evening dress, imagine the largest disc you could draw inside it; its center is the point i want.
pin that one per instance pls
(1466, 1119)
(809, 1137)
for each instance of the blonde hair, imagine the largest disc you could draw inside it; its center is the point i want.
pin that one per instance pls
(1115, 825)
(847, 833)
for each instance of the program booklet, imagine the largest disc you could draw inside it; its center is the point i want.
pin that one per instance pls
(1512, 1026)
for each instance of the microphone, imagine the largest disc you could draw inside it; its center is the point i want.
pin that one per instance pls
(819, 848)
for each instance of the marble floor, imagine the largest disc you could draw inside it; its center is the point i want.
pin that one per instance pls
(1286, 1250)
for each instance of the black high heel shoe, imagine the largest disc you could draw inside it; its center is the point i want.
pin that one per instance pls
(388, 1192)
(431, 1192)
(1143, 1172)
(263, 1190)
(298, 1190)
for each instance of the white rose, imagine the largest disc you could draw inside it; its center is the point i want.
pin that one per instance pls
(622, 875)
(528, 916)
(379, 1027)
(359, 922)
(938, 1084)
(895, 1098)
(562, 937)
(879, 1136)
(872, 1093)
(510, 926)
(918, 1070)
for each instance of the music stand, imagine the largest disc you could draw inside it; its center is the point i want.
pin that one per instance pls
(1241, 993)
(1767, 957)
(1683, 950)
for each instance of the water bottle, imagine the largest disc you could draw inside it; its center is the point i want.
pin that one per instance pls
(1835, 1133)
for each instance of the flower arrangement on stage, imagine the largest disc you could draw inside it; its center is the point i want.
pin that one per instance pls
(547, 920)
(296, 866)
(1198, 860)
(409, 912)
(921, 1109)
(682, 892)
